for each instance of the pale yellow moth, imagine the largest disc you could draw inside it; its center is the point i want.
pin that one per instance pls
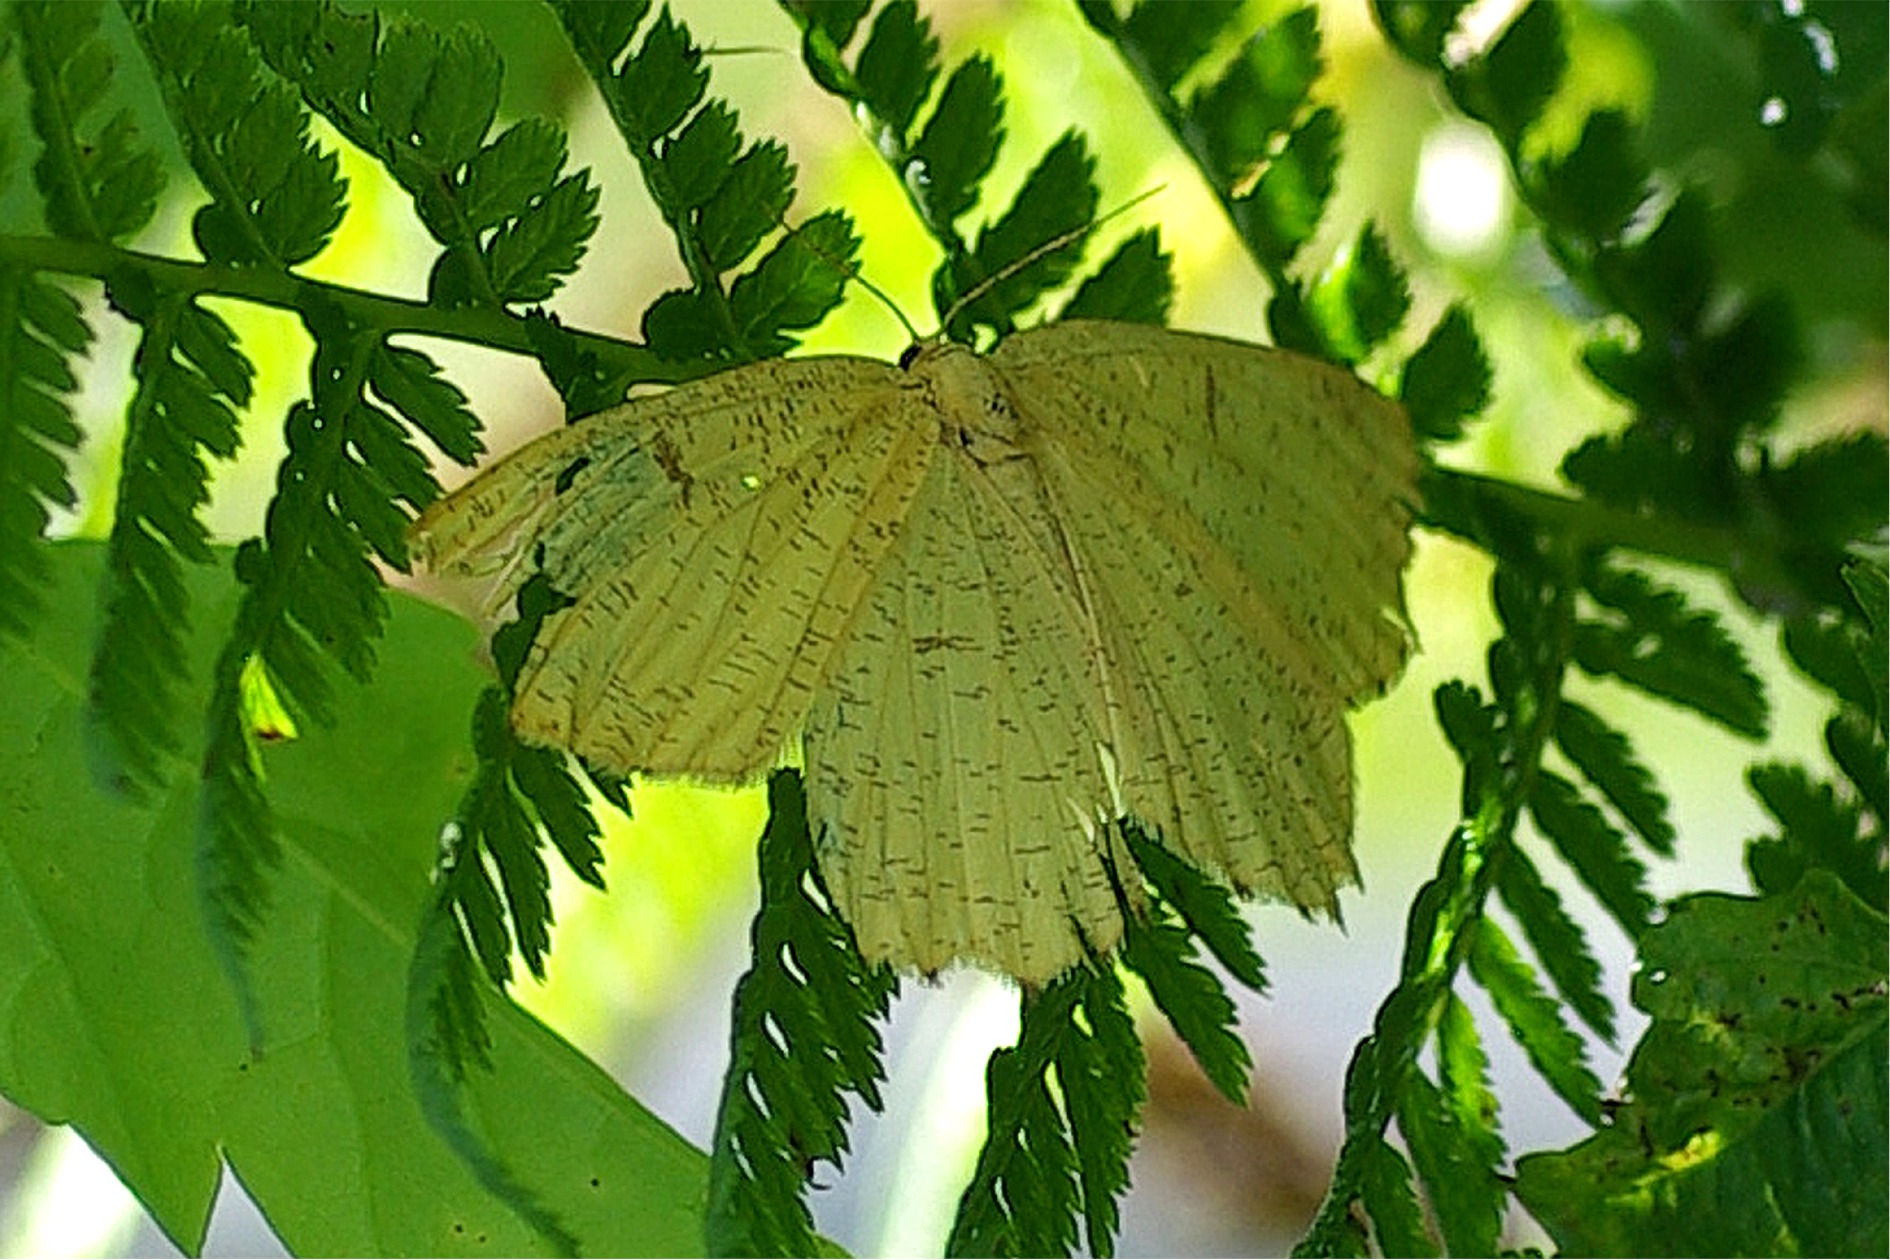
(1001, 599)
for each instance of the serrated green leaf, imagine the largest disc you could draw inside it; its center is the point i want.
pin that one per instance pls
(1136, 285)
(836, 19)
(1257, 96)
(1833, 493)
(1858, 750)
(702, 154)
(1361, 299)
(1755, 1111)
(661, 82)
(804, 1038)
(1470, 726)
(1203, 1016)
(1281, 212)
(1391, 1202)
(1205, 905)
(1657, 642)
(413, 385)
(898, 66)
(1102, 1075)
(175, 416)
(1597, 852)
(959, 142)
(1508, 86)
(1663, 279)
(1595, 188)
(796, 283)
(748, 205)
(1558, 941)
(1817, 830)
(1418, 28)
(1171, 38)
(1534, 1020)
(276, 198)
(99, 181)
(1057, 200)
(505, 175)
(1607, 760)
(1462, 1186)
(130, 1034)
(1448, 380)
(40, 325)
(528, 258)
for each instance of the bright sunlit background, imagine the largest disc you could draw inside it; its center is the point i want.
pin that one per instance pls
(641, 978)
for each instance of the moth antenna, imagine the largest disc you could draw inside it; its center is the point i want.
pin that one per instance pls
(1048, 247)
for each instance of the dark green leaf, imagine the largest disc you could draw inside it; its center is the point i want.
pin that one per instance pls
(1657, 642)
(959, 142)
(529, 257)
(662, 82)
(1595, 188)
(1817, 830)
(702, 154)
(1831, 492)
(1597, 852)
(412, 384)
(1361, 299)
(1204, 904)
(40, 325)
(898, 65)
(1534, 1020)
(1508, 86)
(796, 283)
(1606, 758)
(98, 181)
(1455, 1167)
(1418, 28)
(1257, 96)
(747, 206)
(1162, 953)
(505, 176)
(1135, 285)
(1397, 1219)
(1470, 726)
(1448, 380)
(1283, 209)
(1662, 279)
(1101, 1073)
(1057, 200)
(276, 198)
(1171, 38)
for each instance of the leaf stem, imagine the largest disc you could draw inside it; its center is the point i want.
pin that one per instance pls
(496, 329)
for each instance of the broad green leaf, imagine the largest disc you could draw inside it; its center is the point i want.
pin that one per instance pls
(118, 1018)
(1755, 1116)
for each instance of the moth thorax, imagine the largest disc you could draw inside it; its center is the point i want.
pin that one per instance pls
(974, 410)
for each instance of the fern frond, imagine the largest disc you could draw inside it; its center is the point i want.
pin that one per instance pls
(1064, 1106)
(803, 1039)
(41, 329)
